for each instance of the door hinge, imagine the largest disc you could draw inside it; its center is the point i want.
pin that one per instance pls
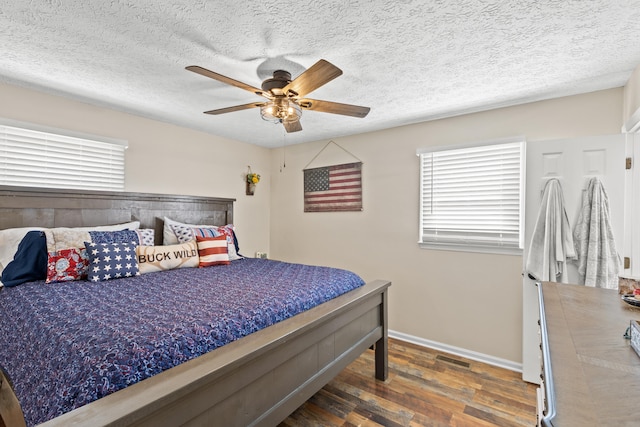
(627, 262)
(628, 163)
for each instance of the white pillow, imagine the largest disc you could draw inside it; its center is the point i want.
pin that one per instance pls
(11, 237)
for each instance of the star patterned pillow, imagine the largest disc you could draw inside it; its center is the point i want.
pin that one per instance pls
(111, 260)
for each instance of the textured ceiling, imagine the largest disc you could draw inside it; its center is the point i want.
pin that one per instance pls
(409, 60)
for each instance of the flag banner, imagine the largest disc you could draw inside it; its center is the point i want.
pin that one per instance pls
(333, 188)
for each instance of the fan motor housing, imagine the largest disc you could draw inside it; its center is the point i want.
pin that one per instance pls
(280, 79)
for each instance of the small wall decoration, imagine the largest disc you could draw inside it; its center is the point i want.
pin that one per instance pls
(334, 188)
(251, 180)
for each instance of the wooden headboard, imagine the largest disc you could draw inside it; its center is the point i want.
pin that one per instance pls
(46, 207)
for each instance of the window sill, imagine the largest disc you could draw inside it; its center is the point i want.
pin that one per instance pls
(471, 248)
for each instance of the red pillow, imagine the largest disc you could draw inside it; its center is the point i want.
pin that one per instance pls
(67, 264)
(213, 250)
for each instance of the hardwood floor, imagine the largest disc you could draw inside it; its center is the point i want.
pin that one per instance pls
(425, 388)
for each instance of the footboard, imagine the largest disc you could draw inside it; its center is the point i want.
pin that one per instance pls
(259, 379)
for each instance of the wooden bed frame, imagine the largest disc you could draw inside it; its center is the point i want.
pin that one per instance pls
(256, 380)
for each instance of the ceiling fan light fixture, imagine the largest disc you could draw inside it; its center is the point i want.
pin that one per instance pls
(286, 97)
(280, 110)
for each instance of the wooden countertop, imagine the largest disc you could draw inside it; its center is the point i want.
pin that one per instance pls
(595, 372)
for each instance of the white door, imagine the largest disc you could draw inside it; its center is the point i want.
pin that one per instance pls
(572, 162)
(632, 199)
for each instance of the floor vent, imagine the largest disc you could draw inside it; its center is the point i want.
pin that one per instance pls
(454, 361)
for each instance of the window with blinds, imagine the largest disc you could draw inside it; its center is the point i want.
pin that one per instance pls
(37, 158)
(472, 197)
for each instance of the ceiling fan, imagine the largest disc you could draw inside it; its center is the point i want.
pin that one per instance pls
(286, 97)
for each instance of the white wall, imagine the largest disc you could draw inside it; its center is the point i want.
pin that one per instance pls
(466, 300)
(162, 158)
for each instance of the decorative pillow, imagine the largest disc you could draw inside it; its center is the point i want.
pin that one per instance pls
(65, 238)
(131, 225)
(210, 231)
(228, 231)
(182, 232)
(168, 257)
(235, 242)
(213, 251)
(30, 261)
(122, 236)
(112, 260)
(146, 236)
(143, 236)
(168, 235)
(67, 264)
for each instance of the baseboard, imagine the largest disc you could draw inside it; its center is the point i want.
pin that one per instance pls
(468, 354)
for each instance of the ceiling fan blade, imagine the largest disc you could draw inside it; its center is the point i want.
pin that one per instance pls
(294, 126)
(320, 73)
(236, 108)
(334, 107)
(227, 80)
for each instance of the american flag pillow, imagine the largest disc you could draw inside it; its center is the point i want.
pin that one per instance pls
(212, 250)
(111, 260)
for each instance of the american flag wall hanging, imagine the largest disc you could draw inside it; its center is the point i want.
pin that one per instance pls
(335, 188)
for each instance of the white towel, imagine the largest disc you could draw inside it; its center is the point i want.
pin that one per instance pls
(598, 261)
(551, 243)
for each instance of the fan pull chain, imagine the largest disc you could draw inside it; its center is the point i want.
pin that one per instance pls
(284, 157)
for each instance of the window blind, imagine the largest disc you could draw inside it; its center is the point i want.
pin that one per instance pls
(35, 158)
(471, 197)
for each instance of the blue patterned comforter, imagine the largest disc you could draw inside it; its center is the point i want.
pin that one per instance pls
(67, 344)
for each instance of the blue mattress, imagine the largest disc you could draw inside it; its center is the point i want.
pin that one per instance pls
(67, 344)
